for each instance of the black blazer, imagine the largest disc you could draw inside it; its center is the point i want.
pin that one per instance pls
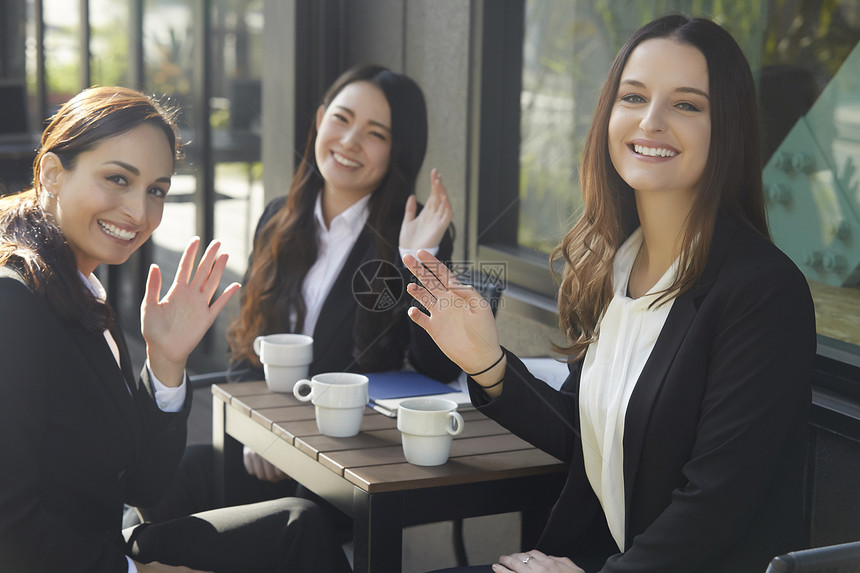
(714, 435)
(78, 438)
(353, 337)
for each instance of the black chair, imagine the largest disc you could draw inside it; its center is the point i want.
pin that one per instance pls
(843, 558)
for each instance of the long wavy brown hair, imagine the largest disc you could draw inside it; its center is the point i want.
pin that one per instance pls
(30, 241)
(283, 253)
(731, 182)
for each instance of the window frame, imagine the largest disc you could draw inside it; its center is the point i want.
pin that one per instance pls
(497, 42)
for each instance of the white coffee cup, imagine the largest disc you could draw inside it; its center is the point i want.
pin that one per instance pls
(427, 427)
(285, 358)
(339, 399)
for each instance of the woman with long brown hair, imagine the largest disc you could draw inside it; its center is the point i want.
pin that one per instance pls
(351, 202)
(350, 214)
(80, 434)
(691, 337)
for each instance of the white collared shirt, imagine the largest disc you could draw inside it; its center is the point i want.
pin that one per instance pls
(628, 332)
(333, 246)
(334, 243)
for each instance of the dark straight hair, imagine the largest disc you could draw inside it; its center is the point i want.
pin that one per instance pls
(731, 182)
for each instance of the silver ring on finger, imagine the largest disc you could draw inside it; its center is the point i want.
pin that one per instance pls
(526, 560)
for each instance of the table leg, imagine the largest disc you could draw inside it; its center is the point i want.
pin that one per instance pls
(377, 531)
(224, 446)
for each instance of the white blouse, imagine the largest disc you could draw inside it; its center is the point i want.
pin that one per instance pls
(334, 244)
(627, 333)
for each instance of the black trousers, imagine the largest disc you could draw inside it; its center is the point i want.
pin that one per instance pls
(193, 491)
(473, 569)
(286, 535)
(193, 488)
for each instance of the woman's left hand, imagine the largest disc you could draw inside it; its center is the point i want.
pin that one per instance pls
(425, 230)
(173, 326)
(534, 561)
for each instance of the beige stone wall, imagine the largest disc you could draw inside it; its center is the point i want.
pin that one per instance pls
(526, 337)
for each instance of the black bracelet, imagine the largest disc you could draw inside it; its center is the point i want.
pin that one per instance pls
(492, 385)
(493, 365)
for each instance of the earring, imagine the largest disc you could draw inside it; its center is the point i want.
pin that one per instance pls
(50, 194)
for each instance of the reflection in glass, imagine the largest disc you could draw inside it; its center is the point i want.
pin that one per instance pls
(168, 39)
(109, 39)
(62, 52)
(806, 61)
(235, 111)
(235, 118)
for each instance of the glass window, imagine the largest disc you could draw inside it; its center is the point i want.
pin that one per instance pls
(168, 40)
(30, 58)
(62, 52)
(805, 58)
(235, 118)
(109, 43)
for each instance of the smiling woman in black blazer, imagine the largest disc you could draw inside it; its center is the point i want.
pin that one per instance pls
(80, 434)
(691, 336)
(349, 212)
(359, 169)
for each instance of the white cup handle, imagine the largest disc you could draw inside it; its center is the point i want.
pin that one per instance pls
(297, 390)
(257, 343)
(457, 426)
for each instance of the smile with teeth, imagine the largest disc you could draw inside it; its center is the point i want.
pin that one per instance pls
(654, 151)
(344, 161)
(115, 231)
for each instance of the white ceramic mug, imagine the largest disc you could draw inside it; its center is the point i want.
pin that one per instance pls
(427, 427)
(285, 358)
(339, 399)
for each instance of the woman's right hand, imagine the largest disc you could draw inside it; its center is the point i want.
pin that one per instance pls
(156, 567)
(461, 321)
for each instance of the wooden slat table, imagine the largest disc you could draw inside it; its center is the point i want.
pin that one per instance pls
(366, 476)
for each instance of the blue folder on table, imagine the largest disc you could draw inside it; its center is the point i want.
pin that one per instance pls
(387, 389)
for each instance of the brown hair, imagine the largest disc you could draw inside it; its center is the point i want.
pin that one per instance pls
(30, 242)
(731, 181)
(285, 249)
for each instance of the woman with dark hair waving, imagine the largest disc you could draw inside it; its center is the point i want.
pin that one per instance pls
(691, 336)
(350, 208)
(351, 201)
(80, 435)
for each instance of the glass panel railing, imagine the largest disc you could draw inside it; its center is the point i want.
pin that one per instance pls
(812, 186)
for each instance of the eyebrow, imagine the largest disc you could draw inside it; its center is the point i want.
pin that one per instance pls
(683, 89)
(134, 169)
(372, 122)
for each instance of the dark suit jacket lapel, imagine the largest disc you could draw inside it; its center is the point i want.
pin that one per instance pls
(340, 300)
(662, 356)
(109, 377)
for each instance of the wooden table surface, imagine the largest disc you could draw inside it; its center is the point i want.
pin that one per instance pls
(489, 471)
